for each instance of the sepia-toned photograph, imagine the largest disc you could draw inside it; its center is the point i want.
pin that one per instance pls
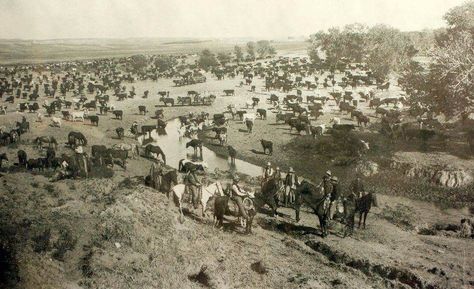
(227, 144)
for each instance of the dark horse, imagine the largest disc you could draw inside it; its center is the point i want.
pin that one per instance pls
(364, 204)
(195, 143)
(313, 197)
(150, 148)
(75, 138)
(169, 180)
(269, 195)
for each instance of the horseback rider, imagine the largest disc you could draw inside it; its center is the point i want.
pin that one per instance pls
(326, 183)
(336, 190)
(291, 180)
(357, 187)
(267, 172)
(192, 184)
(156, 173)
(238, 195)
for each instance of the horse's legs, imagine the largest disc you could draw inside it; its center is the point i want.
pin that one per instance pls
(360, 219)
(365, 217)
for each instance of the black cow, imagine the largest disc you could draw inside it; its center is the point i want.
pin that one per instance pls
(118, 114)
(120, 132)
(22, 158)
(142, 109)
(94, 119)
(262, 113)
(267, 145)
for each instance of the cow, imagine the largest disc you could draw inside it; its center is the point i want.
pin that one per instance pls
(167, 100)
(362, 119)
(262, 113)
(267, 145)
(22, 158)
(94, 119)
(154, 149)
(229, 92)
(78, 115)
(101, 154)
(142, 109)
(56, 121)
(249, 124)
(185, 166)
(317, 130)
(120, 132)
(284, 116)
(119, 155)
(118, 114)
(241, 113)
(38, 164)
(66, 114)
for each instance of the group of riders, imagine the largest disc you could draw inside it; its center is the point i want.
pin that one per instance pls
(287, 187)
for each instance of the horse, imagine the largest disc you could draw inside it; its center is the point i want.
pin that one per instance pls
(151, 148)
(364, 204)
(315, 198)
(50, 140)
(168, 180)
(270, 190)
(195, 143)
(206, 194)
(75, 138)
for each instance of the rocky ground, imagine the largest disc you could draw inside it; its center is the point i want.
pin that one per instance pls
(115, 233)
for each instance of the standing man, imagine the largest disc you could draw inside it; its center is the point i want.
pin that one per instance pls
(336, 190)
(192, 184)
(327, 186)
(238, 195)
(357, 187)
(156, 171)
(291, 180)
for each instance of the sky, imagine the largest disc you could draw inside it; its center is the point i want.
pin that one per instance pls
(268, 19)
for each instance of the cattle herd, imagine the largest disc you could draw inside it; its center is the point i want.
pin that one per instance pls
(310, 98)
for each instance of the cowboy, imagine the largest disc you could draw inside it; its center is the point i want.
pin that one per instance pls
(82, 160)
(267, 172)
(156, 172)
(357, 187)
(334, 195)
(238, 195)
(277, 176)
(291, 180)
(326, 183)
(192, 184)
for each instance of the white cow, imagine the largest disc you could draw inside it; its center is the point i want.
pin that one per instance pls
(56, 121)
(79, 115)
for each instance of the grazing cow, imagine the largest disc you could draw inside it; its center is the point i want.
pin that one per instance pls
(375, 102)
(50, 140)
(120, 132)
(362, 119)
(229, 92)
(185, 100)
(267, 145)
(118, 114)
(22, 158)
(356, 113)
(284, 117)
(185, 166)
(262, 113)
(344, 106)
(195, 144)
(75, 139)
(232, 153)
(56, 121)
(94, 119)
(119, 155)
(142, 109)
(380, 110)
(155, 149)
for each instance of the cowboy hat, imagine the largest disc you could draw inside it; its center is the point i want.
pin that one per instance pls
(291, 170)
(328, 173)
(269, 164)
(236, 178)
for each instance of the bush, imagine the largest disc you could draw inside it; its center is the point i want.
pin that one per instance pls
(65, 242)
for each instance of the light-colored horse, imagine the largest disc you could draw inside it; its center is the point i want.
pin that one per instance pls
(206, 194)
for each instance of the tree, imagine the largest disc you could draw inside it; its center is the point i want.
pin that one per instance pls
(207, 59)
(224, 58)
(264, 48)
(446, 86)
(239, 55)
(139, 62)
(251, 49)
(165, 62)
